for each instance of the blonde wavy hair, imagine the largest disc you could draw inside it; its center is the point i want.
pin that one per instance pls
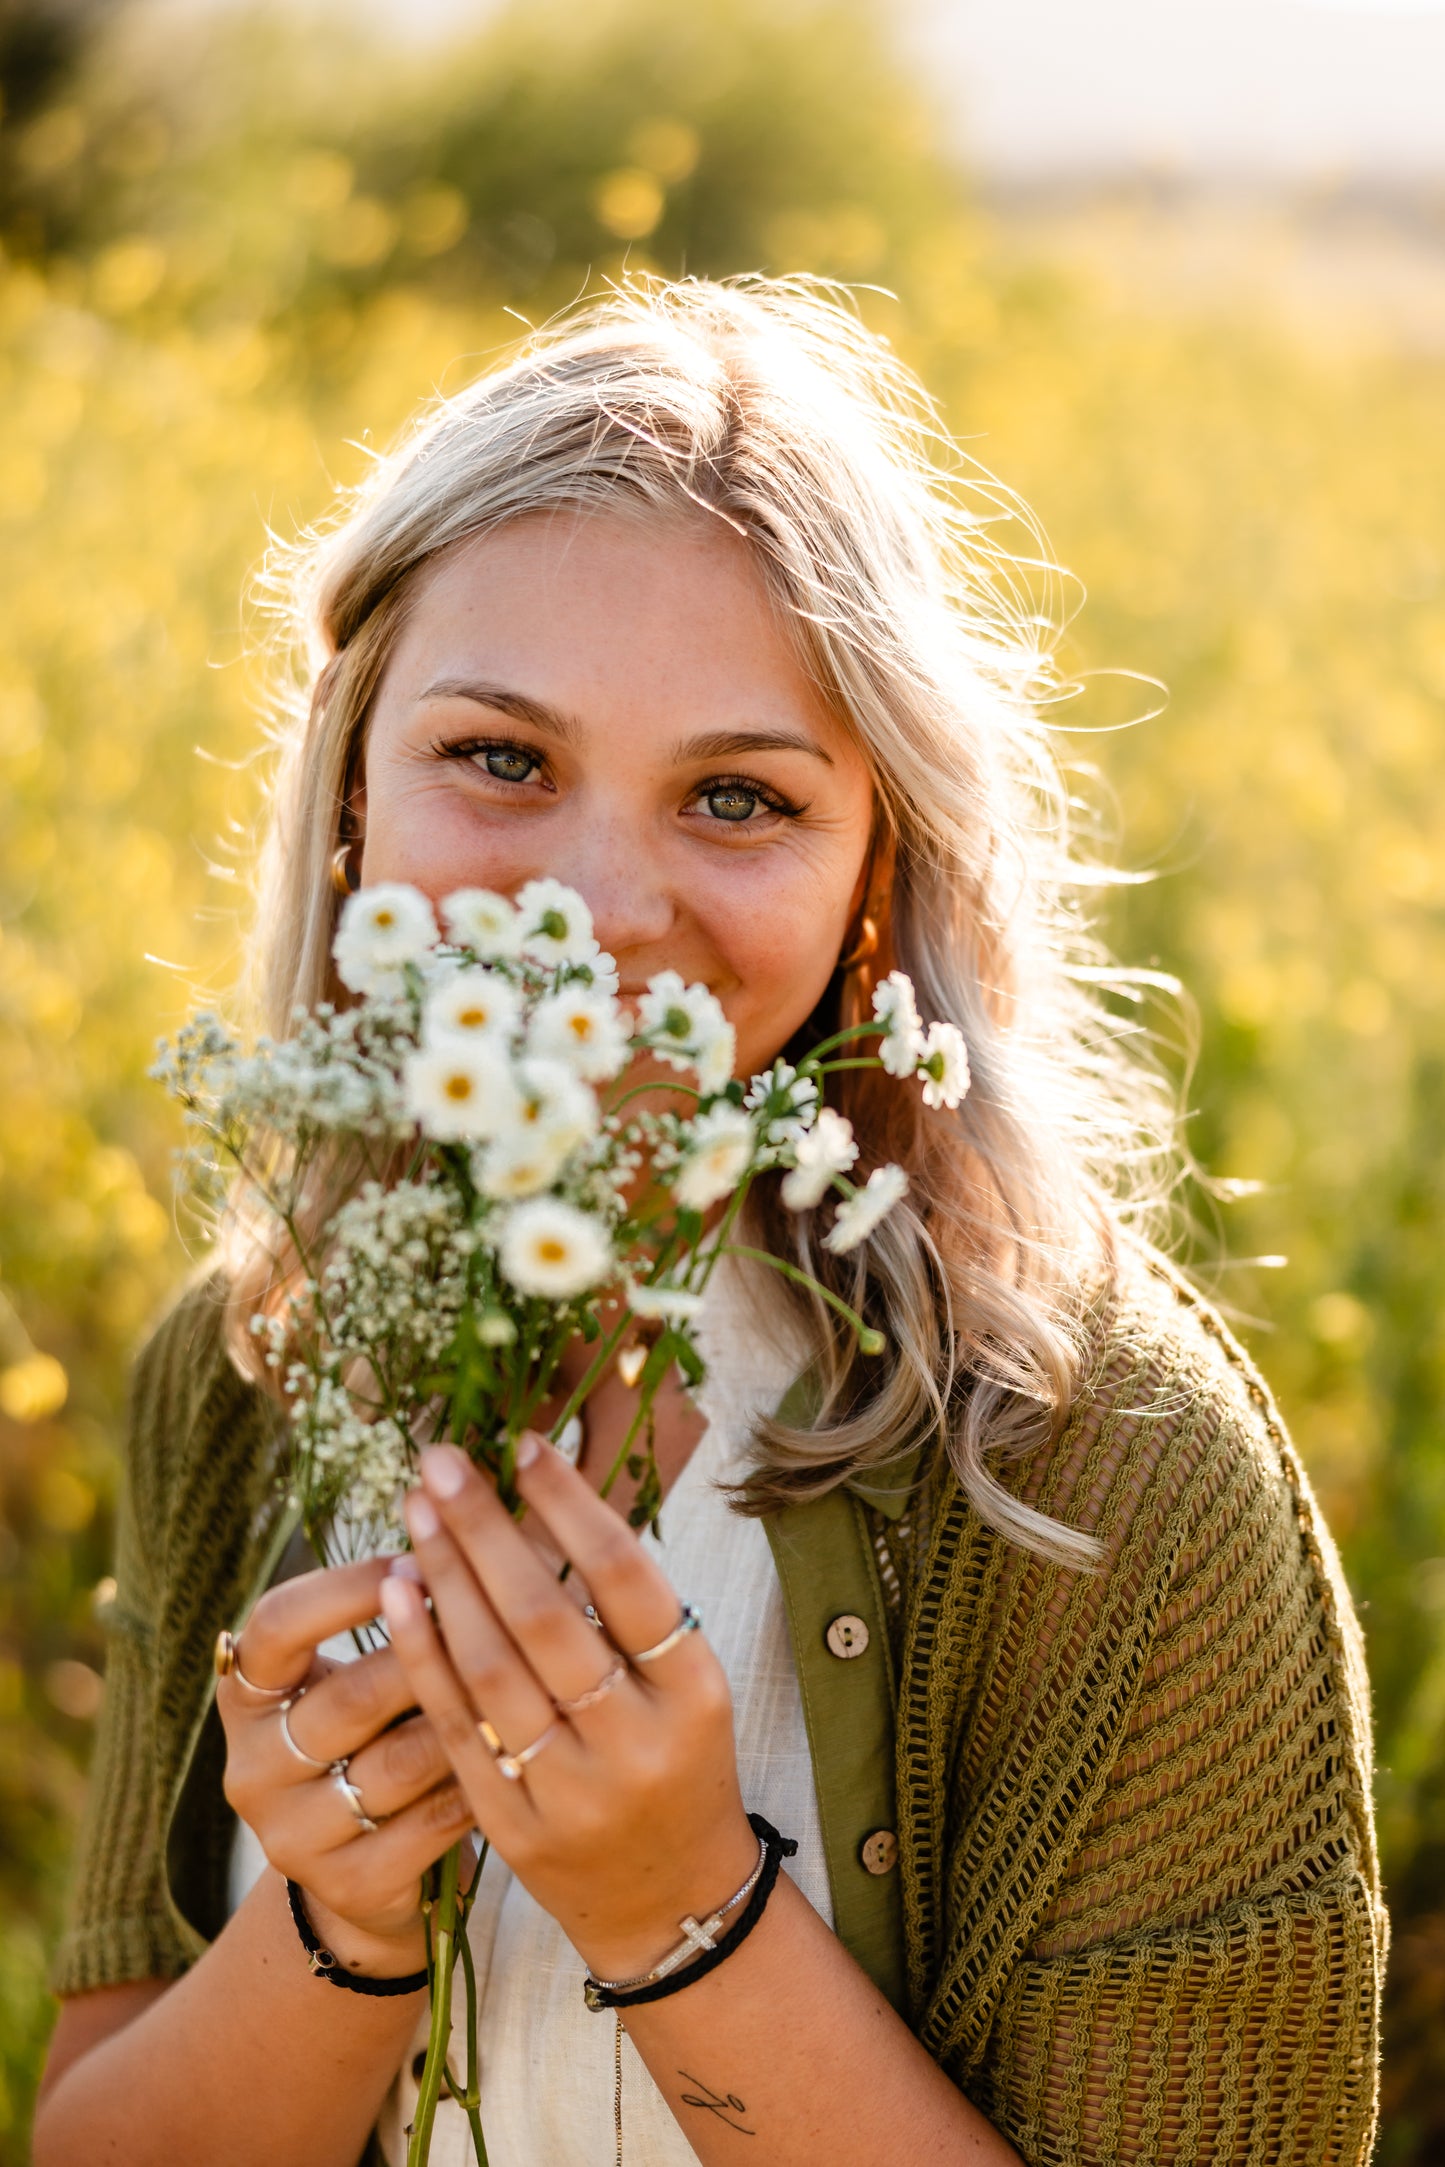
(767, 405)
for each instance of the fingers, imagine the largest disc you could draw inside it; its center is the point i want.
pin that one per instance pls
(631, 1594)
(345, 1710)
(451, 1698)
(521, 1590)
(366, 1875)
(288, 1624)
(389, 1776)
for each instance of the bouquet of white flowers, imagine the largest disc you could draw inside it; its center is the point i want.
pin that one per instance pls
(482, 1160)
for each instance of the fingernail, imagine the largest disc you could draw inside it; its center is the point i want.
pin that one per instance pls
(443, 1470)
(396, 1602)
(529, 1444)
(421, 1518)
(405, 1567)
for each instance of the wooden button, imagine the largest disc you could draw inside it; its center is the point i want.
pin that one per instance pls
(879, 1852)
(847, 1636)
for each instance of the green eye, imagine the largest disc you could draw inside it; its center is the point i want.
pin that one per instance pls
(509, 763)
(731, 803)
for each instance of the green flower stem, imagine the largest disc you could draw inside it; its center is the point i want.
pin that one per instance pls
(583, 1391)
(444, 1956)
(729, 1220)
(660, 1083)
(470, 2101)
(870, 1341)
(841, 1038)
(644, 1409)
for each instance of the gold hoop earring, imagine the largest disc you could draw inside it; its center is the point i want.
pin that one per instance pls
(866, 948)
(342, 878)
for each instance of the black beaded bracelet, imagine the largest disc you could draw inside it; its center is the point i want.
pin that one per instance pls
(325, 1966)
(776, 1848)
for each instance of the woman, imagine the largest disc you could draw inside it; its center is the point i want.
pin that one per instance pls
(1030, 1636)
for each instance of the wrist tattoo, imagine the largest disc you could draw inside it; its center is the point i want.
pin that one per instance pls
(723, 2105)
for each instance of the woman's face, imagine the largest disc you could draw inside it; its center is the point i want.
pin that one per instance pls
(614, 703)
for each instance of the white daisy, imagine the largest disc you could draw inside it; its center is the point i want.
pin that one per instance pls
(553, 1103)
(549, 1248)
(897, 1011)
(720, 1147)
(483, 922)
(943, 1066)
(461, 1089)
(673, 1305)
(556, 925)
(471, 1003)
(794, 1099)
(826, 1149)
(522, 1163)
(582, 1028)
(601, 968)
(858, 1215)
(382, 929)
(714, 1058)
(687, 1028)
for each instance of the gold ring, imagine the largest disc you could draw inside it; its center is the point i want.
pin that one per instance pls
(513, 1765)
(227, 1660)
(595, 1693)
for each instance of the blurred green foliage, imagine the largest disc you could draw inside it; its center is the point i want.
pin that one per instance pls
(237, 254)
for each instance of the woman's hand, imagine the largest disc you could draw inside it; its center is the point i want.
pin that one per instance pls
(362, 1888)
(630, 1816)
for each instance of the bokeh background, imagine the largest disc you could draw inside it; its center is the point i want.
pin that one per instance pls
(1177, 273)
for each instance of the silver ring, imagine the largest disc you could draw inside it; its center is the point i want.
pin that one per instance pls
(300, 1752)
(352, 1796)
(513, 1765)
(594, 1693)
(687, 1623)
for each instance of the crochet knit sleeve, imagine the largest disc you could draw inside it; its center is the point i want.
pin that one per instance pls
(1168, 1935)
(119, 1926)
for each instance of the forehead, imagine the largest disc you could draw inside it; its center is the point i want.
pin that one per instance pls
(577, 606)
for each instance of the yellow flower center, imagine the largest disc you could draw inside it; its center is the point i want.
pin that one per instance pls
(472, 1019)
(552, 1251)
(458, 1086)
(383, 919)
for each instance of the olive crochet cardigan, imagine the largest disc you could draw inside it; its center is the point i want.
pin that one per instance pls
(1136, 1899)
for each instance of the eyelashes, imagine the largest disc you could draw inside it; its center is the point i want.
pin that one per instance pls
(741, 788)
(514, 763)
(732, 800)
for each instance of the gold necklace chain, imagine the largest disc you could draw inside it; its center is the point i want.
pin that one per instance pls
(617, 2091)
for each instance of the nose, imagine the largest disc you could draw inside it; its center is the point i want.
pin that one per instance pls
(632, 906)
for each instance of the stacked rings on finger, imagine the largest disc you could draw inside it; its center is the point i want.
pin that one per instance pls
(309, 1759)
(352, 1796)
(513, 1765)
(687, 1623)
(594, 1693)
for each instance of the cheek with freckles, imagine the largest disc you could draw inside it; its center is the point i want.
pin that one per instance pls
(780, 969)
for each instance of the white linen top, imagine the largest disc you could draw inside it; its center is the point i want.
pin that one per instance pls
(546, 2060)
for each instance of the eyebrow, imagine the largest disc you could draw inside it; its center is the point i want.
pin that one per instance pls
(568, 729)
(555, 721)
(729, 744)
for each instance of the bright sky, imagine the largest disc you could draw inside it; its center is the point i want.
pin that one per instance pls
(1266, 88)
(1261, 87)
